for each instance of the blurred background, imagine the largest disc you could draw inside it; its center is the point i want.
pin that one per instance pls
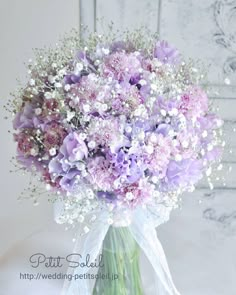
(200, 238)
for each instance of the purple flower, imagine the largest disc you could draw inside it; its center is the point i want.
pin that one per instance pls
(213, 155)
(136, 169)
(106, 195)
(167, 105)
(145, 91)
(166, 53)
(135, 79)
(26, 118)
(101, 50)
(163, 129)
(100, 173)
(67, 164)
(82, 56)
(69, 181)
(144, 125)
(30, 162)
(74, 148)
(87, 62)
(183, 173)
(121, 66)
(72, 79)
(208, 122)
(127, 166)
(121, 46)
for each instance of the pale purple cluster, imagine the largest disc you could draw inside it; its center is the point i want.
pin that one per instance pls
(127, 122)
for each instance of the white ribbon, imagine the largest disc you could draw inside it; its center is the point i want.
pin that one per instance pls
(142, 227)
(143, 230)
(89, 244)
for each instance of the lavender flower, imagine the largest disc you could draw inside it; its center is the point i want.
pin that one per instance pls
(68, 163)
(26, 118)
(128, 166)
(183, 173)
(166, 53)
(72, 79)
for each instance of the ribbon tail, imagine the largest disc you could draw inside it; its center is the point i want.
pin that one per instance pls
(143, 230)
(87, 244)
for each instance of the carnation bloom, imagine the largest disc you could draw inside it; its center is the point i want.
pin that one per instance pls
(121, 66)
(127, 95)
(90, 95)
(100, 173)
(158, 156)
(54, 135)
(107, 133)
(26, 144)
(50, 110)
(136, 193)
(194, 102)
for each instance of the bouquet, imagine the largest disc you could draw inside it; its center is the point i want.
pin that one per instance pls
(117, 129)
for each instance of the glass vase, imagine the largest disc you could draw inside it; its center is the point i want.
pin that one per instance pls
(120, 263)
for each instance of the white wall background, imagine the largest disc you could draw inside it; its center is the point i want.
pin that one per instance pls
(200, 239)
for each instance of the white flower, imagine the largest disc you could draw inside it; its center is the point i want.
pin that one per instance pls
(149, 149)
(106, 51)
(173, 112)
(154, 87)
(128, 129)
(91, 144)
(78, 68)
(58, 85)
(86, 229)
(33, 152)
(48, 95)
(81, 218)
(32, 82)
(62, 72)
(129, 196)
(51, 79)
(204, 134)
(52, 152)
(38, 111)
(110, 221)
(142, 82)
(185, 144)
(67, 87)
(70, 115)
(104, 107)
(154, 179)
(178, 158)
(163, 113)
(86, 108)
(141, 135)
(153, 138)
(208, 171)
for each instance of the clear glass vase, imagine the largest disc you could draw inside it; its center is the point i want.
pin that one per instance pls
(120, 261)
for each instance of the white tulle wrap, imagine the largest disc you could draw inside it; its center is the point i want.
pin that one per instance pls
(142, 223)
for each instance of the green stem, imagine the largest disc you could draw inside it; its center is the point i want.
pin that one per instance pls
(120, 258)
